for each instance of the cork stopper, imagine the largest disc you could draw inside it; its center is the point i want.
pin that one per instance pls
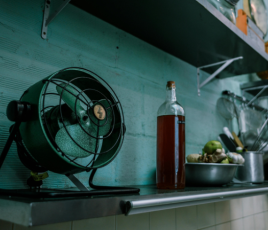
(171, 84)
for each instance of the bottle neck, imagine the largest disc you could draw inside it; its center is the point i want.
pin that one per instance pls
(171, 94)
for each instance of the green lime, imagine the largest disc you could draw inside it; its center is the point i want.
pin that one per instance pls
(212, 146)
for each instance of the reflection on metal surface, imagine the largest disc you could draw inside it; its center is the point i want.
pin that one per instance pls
(253, 168)
(209, 174)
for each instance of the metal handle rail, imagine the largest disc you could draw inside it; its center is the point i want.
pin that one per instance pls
(149, 205)
(244, 100)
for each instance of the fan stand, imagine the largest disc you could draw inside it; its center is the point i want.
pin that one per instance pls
(16, 111)
(19, 112)
(101, 190)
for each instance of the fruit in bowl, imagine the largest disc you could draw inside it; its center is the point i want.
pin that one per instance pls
(214, 153)
(211, 147)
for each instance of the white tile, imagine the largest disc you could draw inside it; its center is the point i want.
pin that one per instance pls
(266, 201)
(59, 226)
(206, 215)
(266, 218)
(222, 212)
(107, 223)
(248, 206)
(237, 224)
(4, 225)
(260, 203)
(186, 218)
(225, 226)
(209, 228)
(259, 221)
(134, 222)
(236, 209)
(163, 220)
(248, 223)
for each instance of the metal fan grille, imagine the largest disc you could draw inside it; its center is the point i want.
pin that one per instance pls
(109, 96)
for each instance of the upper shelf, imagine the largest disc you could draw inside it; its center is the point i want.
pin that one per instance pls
(192, 30)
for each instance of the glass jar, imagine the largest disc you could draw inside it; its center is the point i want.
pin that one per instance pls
(170, 142)
(257, 12)
(226, 7)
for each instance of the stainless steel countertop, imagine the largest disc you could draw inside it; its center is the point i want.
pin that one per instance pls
(32, 212)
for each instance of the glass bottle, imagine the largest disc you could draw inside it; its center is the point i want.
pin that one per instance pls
(257, 12)
(226, 7)
(170, 142)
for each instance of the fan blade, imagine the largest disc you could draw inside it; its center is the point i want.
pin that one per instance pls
(103, 129)
(69, 147)
(69, 96)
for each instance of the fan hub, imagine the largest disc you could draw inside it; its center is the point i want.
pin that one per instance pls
(99, 112)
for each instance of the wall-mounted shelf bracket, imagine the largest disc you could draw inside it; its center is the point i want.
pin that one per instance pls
(258, 94)
(47, 18)
(212, 76)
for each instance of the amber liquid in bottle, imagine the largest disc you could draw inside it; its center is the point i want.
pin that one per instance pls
(171, 147)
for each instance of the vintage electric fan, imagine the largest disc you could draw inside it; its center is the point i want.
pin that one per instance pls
(70, 122)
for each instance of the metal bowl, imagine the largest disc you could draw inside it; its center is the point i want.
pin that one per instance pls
(209, 174)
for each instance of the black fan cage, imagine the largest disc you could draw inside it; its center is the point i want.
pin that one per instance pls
(109, 95)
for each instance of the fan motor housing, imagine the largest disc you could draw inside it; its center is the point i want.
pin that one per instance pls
(39, 142)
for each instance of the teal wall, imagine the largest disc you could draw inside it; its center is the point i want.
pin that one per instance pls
(136, 70)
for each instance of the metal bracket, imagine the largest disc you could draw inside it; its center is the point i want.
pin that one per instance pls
(47, 18)
(261, 88)
(258, 94)
(77, 183)
(225, 64)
